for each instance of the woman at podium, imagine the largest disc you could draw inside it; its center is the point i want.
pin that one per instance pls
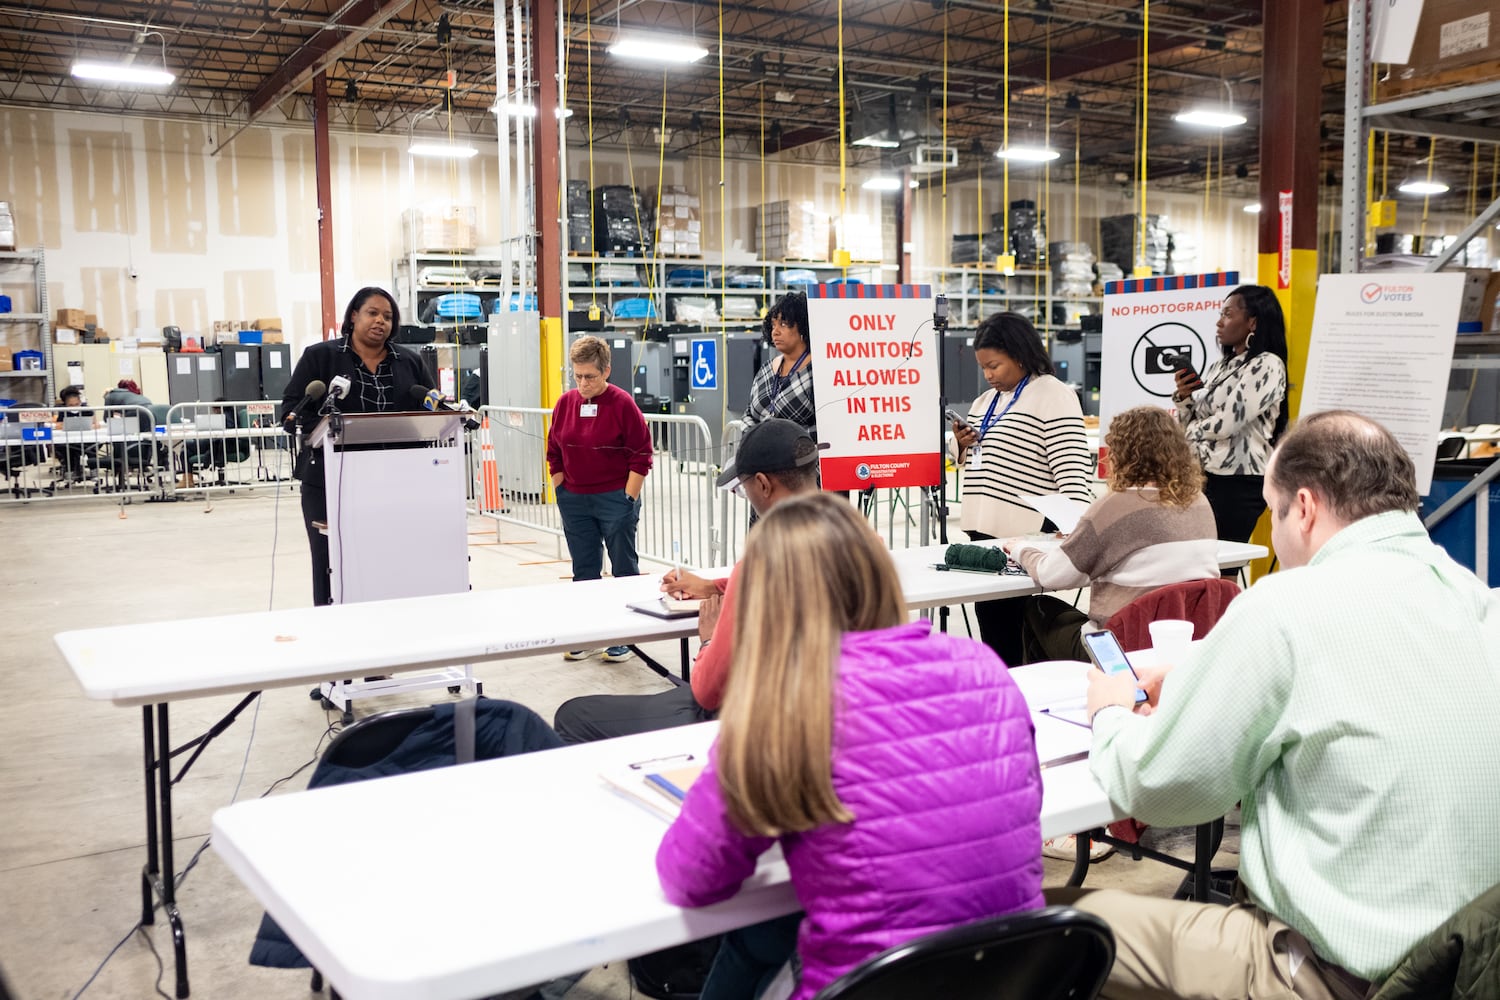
(379, 377)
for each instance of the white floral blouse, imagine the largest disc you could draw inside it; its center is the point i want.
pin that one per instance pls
(1229, 422)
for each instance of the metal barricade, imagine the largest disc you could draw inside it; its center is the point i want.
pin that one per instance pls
(510, 482)
(56, 453)
(223, 446)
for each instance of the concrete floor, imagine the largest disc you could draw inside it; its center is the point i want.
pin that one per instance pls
(72, 843)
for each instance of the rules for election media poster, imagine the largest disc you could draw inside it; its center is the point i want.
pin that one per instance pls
(875, 378)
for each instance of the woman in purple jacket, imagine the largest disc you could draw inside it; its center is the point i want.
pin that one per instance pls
(897, 767)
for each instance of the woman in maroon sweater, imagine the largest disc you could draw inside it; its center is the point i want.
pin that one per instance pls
(599, 452)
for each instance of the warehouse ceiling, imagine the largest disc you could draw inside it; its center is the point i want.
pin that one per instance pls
(1074, 76)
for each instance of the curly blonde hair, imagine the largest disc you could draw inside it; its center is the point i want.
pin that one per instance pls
(1147, 448)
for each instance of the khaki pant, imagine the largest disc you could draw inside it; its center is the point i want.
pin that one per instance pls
(1168, 948)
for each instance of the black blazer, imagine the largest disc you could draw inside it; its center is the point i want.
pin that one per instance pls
(328, 359)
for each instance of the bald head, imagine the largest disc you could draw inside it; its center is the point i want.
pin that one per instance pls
(1353, 465)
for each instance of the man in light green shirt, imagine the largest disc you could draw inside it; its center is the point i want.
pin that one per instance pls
(1351, 705)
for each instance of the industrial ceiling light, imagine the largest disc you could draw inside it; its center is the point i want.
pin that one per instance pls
(657, 48)
(518, 109)
(882, 182)
(1210, 117)
(1026, 153)
(1253, 208)
(1423, 187)
(1213, 116)
(123, 72)
(445, 150)
(876, 142)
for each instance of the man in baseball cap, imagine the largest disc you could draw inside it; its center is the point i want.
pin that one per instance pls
(776, 459)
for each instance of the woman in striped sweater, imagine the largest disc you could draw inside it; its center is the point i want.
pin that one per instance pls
(1024, 437)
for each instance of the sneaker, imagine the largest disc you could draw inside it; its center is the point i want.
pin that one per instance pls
(1066, 849)
(617, 654)
(579, 654)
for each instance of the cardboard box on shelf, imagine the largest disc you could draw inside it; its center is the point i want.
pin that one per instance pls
(1489, 314)
(1456, 42)
(440, 228)
(1471, 302)
(64, 335)
(73, 319)
(89, 319)
(6, 361)
(267, 323)
(273, 337)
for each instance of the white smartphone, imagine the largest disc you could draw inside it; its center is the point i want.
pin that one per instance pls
(1104, 649)
(955, 416)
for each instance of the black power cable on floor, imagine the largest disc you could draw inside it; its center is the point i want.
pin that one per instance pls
(332, 730)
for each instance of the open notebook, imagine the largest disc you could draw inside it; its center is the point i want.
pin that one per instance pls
(659, 785)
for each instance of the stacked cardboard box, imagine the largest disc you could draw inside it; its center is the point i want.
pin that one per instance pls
(1457, 42)
(791, 231)
(446, 228)
(679, 229)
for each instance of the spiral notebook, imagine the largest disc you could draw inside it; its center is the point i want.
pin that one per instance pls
(666, 607)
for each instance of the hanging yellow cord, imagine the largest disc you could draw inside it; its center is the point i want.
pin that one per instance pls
(589, 63)
(1004, 138)
(661, 166)
(1426, 198)
(1042, 255)
(1077, 174)
(943, 231)
(843, 142)
(1145, 113)
(723, 212)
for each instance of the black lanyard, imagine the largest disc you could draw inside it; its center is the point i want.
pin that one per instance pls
(780, 382)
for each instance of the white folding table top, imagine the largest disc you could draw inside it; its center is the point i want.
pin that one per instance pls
(556, 870)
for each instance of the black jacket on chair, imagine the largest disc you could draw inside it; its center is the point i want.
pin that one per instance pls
(324, 362)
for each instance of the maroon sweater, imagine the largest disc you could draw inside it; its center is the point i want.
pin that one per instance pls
(597, 454)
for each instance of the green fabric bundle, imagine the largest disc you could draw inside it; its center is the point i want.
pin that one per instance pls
(983, 558)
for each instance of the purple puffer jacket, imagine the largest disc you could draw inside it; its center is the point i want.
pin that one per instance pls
(934, 755)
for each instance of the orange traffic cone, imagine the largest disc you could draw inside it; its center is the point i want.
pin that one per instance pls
(488, 486)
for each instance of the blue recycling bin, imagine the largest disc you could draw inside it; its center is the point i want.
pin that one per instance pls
(1455, 533)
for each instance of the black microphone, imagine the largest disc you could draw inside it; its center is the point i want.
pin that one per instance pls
(316, 390)
(433, 400)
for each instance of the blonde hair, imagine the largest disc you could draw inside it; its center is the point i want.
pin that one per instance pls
(813, 570)
(1148, 448)
(589, 351)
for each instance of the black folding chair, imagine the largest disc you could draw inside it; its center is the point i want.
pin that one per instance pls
(1048, 954)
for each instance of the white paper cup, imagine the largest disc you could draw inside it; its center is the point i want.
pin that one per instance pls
(1170, 640)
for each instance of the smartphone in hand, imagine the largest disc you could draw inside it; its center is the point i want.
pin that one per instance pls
(954, 416)
(1104, 649)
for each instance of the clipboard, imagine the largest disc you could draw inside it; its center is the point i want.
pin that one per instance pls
(660, 609)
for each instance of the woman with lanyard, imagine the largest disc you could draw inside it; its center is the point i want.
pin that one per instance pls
(1234, 413)
(1023, 438)
(784, 386)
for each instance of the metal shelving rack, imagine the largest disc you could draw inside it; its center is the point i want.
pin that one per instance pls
(39, 322)
(412, 294)
(1453, 112)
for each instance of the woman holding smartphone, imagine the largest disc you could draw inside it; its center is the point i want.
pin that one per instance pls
(1236, 410)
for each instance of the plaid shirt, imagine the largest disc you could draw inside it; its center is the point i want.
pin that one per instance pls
(373, 392)
(790, 398)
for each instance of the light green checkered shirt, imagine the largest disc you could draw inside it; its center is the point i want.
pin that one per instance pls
(1353, 707)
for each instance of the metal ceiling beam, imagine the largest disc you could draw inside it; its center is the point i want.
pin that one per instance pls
(1407, 125)
(350, 27)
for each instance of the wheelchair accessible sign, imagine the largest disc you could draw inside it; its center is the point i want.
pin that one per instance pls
(705, 360)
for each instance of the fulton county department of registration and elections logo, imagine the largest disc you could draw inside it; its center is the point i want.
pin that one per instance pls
(862, 470)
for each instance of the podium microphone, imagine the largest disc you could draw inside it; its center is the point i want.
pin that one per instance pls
(433, 401)
(337, 390)
(316, 390)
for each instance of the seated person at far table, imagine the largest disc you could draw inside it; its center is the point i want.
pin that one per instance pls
(1153, 528)
(1349, 703)
(73, 457)
(776, 459)
(894, 764)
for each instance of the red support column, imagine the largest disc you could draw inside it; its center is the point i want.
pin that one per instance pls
(325, 203)
(548, 182)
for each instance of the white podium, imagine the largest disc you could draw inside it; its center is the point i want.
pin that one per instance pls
(397, 523)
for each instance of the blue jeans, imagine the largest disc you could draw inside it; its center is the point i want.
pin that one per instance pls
(750, 957)
(593, 522)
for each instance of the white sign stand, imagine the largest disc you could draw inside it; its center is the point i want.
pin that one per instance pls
(1382, 346)
(875, 379)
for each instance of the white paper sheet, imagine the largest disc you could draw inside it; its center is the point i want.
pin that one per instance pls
(1060, 510)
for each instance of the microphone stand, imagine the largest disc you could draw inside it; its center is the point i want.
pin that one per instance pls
(940, 329)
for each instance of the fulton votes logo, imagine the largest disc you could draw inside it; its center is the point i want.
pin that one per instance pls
(1375, 292)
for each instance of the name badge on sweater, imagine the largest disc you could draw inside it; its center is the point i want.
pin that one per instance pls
(974, 459)
(588, 410)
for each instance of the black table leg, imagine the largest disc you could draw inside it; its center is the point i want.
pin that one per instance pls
(682, 653)
(648, 661)
(158, 881)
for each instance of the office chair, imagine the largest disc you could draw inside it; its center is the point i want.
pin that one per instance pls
(1049, 954)
(1451, 447)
